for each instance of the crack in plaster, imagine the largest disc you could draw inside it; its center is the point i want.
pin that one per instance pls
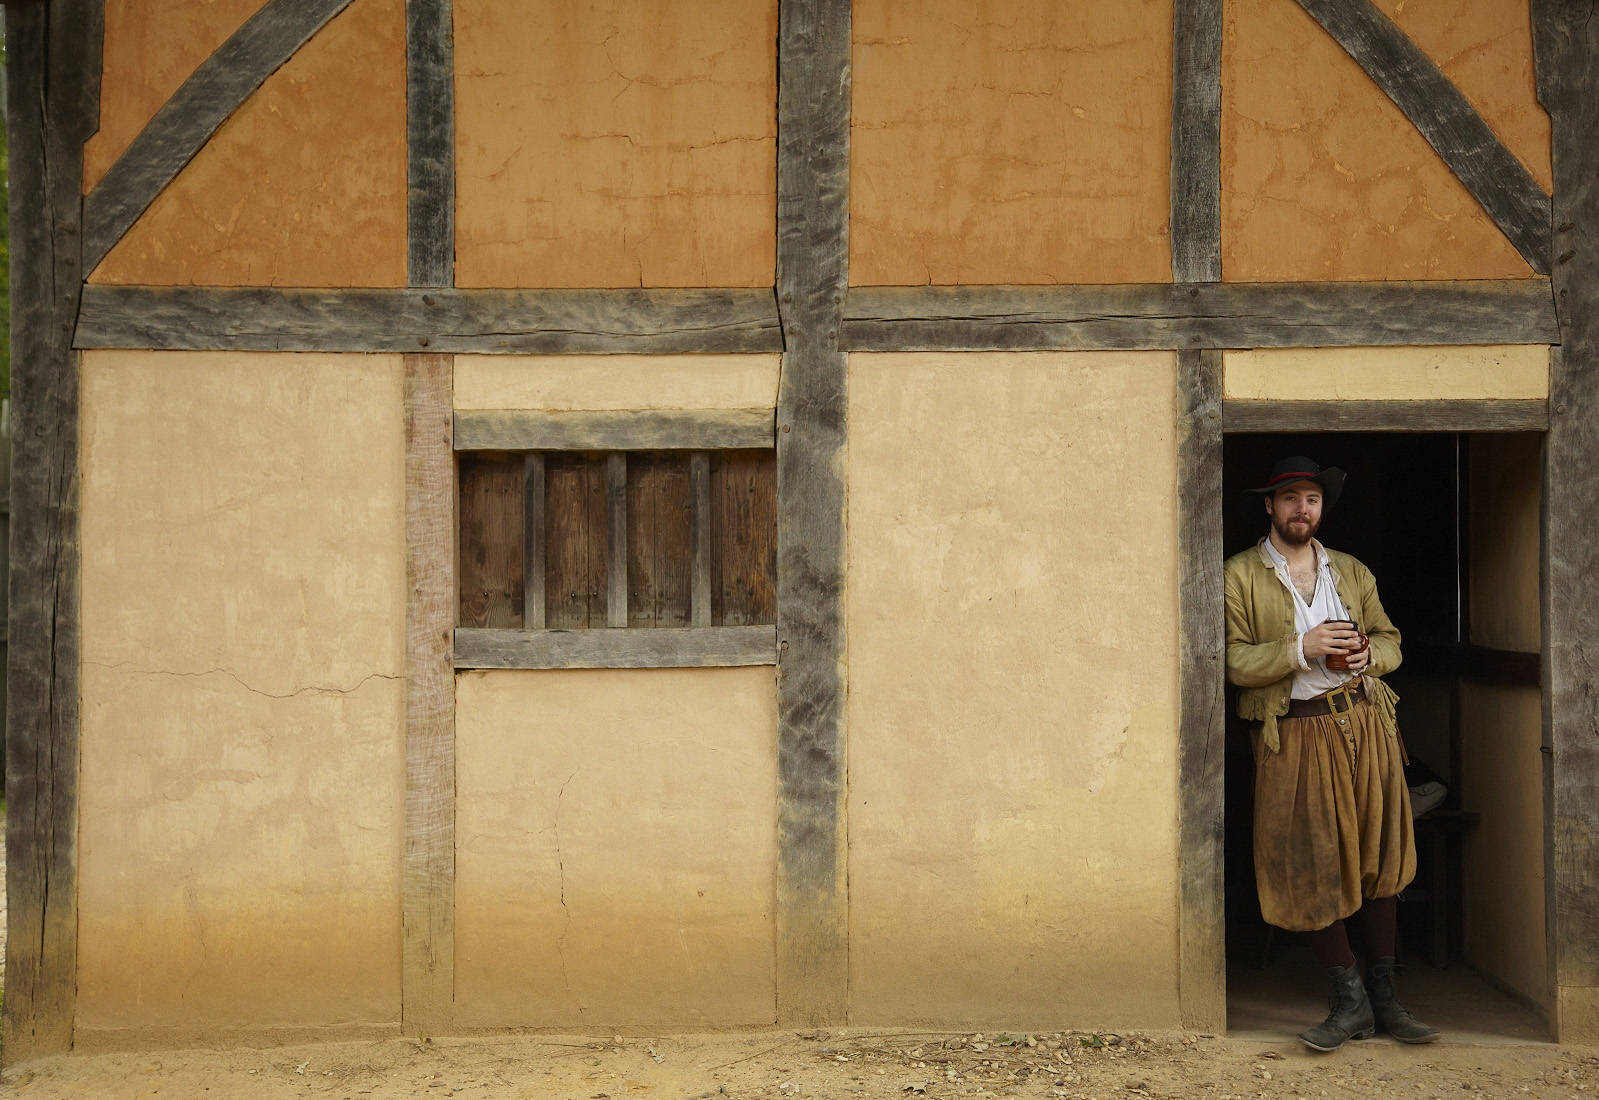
(309, 689)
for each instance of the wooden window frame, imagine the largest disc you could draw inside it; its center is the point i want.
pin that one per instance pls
(616, 433)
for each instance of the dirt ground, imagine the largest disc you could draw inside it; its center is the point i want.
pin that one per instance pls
(787, 1066)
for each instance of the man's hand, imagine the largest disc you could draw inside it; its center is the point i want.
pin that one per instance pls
(1330, 638)
(1359, 660)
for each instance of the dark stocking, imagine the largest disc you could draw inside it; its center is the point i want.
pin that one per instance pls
(1331, 945)
(1378, 918)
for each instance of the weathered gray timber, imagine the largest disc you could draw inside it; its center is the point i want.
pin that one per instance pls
(186, 121)
(625, 430)
(643, 647)
(1385, 416)
(428, 962)
(1451, 125)
(540, 322)
(1566, 45)
(53, 99)
(430, 142)
(1198, 315)
(699, 477)
(1196, 142)
(615, 540)
(813, 113)
(533, 496)
(1202, 958)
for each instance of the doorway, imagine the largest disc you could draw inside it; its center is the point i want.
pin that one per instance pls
(1449, 524)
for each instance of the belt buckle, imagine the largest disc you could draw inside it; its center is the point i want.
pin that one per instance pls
(1332, 699)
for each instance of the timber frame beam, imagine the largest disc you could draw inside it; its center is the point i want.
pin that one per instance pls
(53, 106)
(1566, 49)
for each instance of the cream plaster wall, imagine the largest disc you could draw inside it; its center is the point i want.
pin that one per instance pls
(563, 382)
(610, 143)
(1501, 371)
(242, 737)
(1012, 711)
(1010, 141)
(616, 847)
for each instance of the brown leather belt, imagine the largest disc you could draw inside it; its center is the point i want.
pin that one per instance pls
(1329, 703)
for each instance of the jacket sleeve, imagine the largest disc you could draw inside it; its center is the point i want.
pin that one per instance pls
(1251, 662)
(1376, 625)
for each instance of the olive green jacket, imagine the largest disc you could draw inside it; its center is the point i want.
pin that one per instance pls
(1262, 639)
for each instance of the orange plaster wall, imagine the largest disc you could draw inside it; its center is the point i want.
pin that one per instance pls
(1324, 178)
(303, 186)
(610, 143)
(1010, 141)
(151, 48)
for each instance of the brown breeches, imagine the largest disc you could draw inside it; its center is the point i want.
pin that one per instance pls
(1332, 819)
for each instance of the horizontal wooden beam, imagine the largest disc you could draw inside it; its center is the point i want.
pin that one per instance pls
(1502, 666)
(1385, 416)
(196, 110)
(628, 430)
(1498, 181)
(1198, 315)
(542, 322)
(666, 647)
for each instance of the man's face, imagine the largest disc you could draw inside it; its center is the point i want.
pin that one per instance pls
(1295, 512)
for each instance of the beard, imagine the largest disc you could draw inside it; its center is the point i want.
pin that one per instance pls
(1290, 533)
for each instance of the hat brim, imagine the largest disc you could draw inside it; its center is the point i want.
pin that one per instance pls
(1331, 481)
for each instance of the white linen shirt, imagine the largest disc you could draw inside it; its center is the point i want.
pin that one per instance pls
(1314, 677)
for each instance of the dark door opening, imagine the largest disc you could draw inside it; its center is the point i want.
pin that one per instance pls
(1449, 524)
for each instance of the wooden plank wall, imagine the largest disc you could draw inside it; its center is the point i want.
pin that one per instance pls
(659, 547)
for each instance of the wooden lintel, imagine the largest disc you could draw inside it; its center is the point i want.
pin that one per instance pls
(1385, 416)
(430, 142)
(1199, 315)
(196, 110)
(641, 647)
(1202, 958)
(533, 322)
(1493, 174)
(627, 430)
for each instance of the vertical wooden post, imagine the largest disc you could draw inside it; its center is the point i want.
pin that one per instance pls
(813, 115)
(430, 142)
(1196, 142)
(699, 480)
(533, 542)
(1202, 970)
(428, 969)
(616, 540)
(1196, 257)
(1566, 46)
(428, 964)
(53, 101)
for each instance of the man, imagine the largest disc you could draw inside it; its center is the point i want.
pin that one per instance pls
(1333, 832)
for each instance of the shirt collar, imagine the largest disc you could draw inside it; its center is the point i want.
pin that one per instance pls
(1281, 562)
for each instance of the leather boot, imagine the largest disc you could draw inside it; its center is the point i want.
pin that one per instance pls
(1392, 1016)
(1350, 1017)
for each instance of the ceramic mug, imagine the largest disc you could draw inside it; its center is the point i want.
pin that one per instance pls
(1341, 661)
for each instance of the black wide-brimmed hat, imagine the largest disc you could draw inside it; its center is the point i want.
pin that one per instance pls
(1299, 468)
